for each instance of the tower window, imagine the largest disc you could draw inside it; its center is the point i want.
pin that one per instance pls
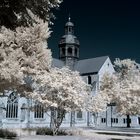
(75, 51)
(63, 51)
(12, 106)
(69, 51)
(70, 29)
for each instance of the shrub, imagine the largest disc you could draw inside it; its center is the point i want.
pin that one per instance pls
(48, 131)
(62, 133)
(4, 133)
(44, 131)
(30, 129)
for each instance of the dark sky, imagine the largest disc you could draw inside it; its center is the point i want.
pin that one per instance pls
(103, 27)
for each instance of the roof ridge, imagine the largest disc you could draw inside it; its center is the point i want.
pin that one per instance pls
(94, 57)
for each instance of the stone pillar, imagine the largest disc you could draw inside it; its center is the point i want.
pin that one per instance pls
(78, 52)
(66, 51)
(73, 51)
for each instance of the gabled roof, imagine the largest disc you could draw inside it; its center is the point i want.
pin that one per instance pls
(85, 66)
(92, 65)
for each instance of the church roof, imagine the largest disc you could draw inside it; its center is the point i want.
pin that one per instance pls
(92, 65)
(85, 66)
(57, 63)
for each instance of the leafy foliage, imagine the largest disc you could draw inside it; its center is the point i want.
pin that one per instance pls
(49, 131)
(23, 53)
(123, 87)
(14, 13)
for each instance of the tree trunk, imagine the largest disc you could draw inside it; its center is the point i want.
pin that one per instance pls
(53, 117)
(57, 118)
(128, 121)
(95, 119)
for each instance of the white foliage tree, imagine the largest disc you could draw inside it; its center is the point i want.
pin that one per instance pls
(23, 52)
(62, 90)
(25, 65)
(96, 104)
(123, 88)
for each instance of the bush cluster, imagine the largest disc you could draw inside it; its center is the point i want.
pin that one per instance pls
(49, 131)
(4, 133)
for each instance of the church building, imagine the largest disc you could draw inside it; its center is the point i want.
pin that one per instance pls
(15, 111)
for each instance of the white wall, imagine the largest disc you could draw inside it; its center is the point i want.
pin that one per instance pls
(106, 67)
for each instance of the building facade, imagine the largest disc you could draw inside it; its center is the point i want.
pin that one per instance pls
(19, 112)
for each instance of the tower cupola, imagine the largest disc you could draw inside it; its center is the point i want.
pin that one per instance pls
(69, 45)
(69, 27)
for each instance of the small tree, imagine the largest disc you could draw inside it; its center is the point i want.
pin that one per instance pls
(62, 90)
(124, 88)
(96, 104)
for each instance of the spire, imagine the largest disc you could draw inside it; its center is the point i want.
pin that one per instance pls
(69, 23)
(69, 26)
(69, 18)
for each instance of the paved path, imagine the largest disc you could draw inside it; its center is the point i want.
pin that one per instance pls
(116, 129)
(88, 134)
(95, 137)
(57, 138)
(93, 134)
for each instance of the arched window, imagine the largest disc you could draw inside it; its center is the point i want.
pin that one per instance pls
(12, 106)
(38, 111)
(63, 51)
(70, 51)
(70, 29)
(89, 79)
(75, 51)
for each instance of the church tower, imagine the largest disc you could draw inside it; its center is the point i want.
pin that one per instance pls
(69, 46)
